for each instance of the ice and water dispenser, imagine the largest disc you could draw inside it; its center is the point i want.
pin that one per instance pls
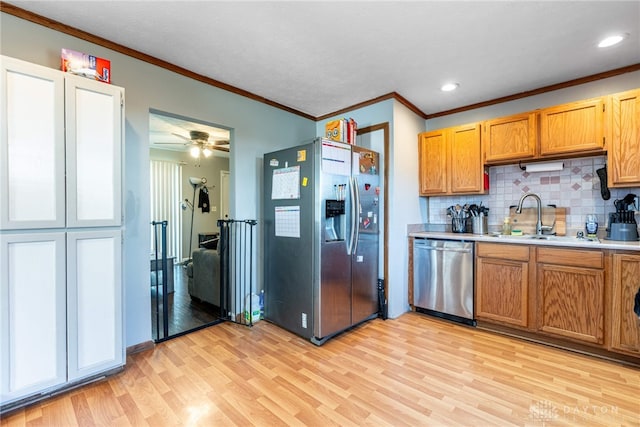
(335, 220)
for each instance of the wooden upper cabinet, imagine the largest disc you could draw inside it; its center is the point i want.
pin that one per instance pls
(450, 161)
(432, 150)
(510, 138)
(466, 164)
(576, 127)
(624, 144)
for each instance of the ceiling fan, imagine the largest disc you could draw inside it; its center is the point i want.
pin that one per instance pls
(201, 143)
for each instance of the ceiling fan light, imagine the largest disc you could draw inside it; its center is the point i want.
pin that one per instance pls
(195, 152)
(207, 152)
(611, 40)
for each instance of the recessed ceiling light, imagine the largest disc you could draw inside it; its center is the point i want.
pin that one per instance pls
(449, 87)
(611, 40)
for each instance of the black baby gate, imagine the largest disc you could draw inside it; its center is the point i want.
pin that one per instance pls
(159, 288)
(240, 302)
(237, 302)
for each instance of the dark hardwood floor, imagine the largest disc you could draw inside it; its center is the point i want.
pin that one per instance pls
(184, 313)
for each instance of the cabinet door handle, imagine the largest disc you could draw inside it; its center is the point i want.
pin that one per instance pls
(636, 305)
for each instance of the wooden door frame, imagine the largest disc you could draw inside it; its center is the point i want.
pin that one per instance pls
(385, 239)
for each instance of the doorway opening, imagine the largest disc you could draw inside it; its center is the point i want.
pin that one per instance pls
(188, 158)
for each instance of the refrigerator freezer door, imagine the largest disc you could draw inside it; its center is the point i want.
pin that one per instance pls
(288, 267)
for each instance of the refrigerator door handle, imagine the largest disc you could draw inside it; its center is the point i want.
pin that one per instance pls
(356, 216)
(350, 247)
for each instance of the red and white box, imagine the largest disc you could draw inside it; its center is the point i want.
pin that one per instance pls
(86, 65)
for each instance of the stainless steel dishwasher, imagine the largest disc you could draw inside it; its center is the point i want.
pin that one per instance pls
(443, 279)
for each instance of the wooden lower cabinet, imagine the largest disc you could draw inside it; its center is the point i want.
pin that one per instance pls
(572, 302)
(571, 290)
(583, 299)
(625, 323)
(502, 283)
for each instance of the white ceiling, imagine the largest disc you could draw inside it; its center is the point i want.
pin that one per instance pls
(321, 57)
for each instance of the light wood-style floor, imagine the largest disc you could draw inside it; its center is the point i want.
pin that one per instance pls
(413, 371)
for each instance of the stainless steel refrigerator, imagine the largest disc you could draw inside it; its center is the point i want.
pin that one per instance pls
(321, 237)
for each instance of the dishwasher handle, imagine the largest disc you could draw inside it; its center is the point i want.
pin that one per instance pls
(438, 249)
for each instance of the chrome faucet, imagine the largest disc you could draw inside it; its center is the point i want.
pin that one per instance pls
(539, 202)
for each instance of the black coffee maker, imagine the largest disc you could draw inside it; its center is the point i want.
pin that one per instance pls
(622, 222)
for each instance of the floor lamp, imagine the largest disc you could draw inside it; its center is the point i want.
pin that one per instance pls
(195, 183)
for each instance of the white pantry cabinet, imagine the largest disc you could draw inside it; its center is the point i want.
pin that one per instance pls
(32, 163)
(94, 301)
(33, 313)
(60, 230)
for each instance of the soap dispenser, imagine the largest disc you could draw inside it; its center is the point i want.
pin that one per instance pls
(506, 226)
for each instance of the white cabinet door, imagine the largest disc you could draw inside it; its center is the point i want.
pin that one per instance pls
(32, 313)
(94, 140)
(94, 302)
(31, 146)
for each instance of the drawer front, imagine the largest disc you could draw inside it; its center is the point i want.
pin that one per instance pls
(502, 251)
(571, 257)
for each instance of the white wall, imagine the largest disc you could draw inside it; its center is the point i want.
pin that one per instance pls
(256, 129)
(405, 207)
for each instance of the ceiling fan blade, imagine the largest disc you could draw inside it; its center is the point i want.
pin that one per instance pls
(220, 148)
(181, 136)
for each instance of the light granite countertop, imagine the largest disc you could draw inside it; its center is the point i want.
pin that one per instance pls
(566, 241)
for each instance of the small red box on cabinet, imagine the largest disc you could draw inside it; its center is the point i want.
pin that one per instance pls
(86, 65)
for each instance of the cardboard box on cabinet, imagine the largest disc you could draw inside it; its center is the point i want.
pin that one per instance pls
(342, 130)
(86, 65)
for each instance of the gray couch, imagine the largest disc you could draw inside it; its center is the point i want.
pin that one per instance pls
(204, 276)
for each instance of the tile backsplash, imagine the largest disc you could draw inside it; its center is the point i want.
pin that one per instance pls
(576, 187)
